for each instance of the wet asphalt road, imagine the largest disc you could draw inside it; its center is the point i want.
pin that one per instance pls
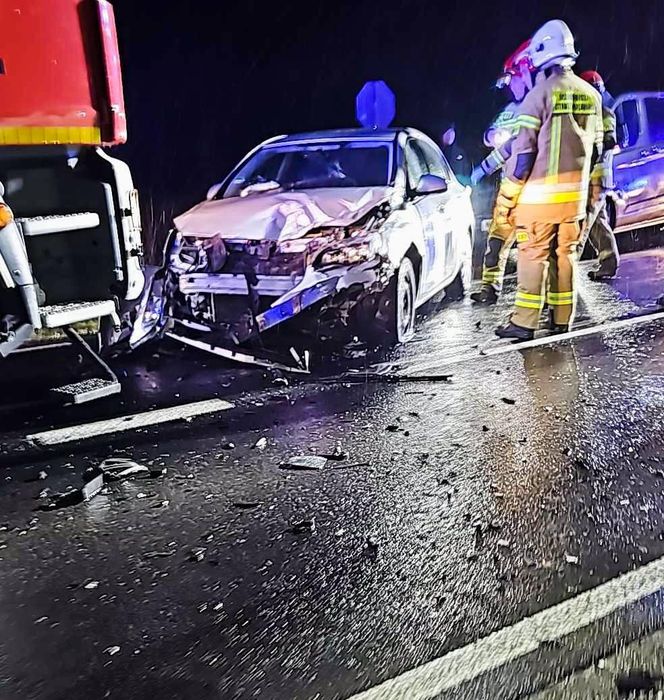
(551, 454)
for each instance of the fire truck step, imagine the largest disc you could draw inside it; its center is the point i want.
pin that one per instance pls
(42, 225)
(60, 315)
(87, 390)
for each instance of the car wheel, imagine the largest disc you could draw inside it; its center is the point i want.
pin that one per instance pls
(462, 282)
(394, 321)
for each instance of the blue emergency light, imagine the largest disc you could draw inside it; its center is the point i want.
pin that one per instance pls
(375, 105)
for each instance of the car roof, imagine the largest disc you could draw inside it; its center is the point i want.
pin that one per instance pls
(387, 134)
(638, 95)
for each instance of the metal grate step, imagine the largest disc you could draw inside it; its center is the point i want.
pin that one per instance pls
(43, 225)
(60, 315)
(87, 390)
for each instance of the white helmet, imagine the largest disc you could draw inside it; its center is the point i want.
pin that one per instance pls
(553, 45)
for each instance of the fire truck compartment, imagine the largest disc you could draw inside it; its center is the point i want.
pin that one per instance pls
(67, 214)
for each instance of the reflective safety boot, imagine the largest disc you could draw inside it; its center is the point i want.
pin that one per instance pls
(511, 330)
(486, 296)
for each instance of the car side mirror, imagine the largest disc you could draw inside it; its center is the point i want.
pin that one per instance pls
(213, 191)
(431, 184)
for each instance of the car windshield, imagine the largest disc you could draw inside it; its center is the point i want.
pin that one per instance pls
(304, 166)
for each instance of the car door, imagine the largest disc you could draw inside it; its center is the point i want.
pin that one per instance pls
(653, 154)
(630, 172)
(430, 209)
(451, 221)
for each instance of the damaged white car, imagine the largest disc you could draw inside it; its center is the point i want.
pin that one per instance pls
(349, 231)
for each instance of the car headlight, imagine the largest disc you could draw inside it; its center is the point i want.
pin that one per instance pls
(350, 254)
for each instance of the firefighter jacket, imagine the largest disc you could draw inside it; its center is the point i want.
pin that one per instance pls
(547, 174)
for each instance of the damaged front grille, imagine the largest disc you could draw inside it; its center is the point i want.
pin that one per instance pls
(215, 255)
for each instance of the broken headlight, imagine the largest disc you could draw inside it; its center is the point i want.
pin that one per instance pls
(350, 254)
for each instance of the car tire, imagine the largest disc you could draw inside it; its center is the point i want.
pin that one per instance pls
(462, 282)
(395, 319)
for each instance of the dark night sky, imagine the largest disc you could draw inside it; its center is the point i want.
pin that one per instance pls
(206, 80)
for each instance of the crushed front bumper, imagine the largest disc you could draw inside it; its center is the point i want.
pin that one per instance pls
(338, 285)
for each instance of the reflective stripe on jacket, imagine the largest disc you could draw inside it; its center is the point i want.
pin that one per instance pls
(560, 132)
(510, 121)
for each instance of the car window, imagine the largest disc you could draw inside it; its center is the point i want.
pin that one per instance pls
(436, 163)
(655, 112)
(627, 117)
(416, 163)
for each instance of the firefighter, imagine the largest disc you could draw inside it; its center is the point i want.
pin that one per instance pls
(599, 228)
(518, 79)
(545, 189)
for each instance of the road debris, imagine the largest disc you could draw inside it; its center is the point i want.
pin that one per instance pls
(228, 446)
(365, 378)
(304, 463)
(260, 444)
(159, 554)
(63, 500)
(197, 553)
(91, 585)
(636, 683)
(117, 468)
(571, 559)
(509, 402)
(41, 476)
(372, 543)
(304, 527)
(478, 536)
(505, 544)
(338, 455)
(246, 505)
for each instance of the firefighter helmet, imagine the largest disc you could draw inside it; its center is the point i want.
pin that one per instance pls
(515, 64)
(553, 45)
(595, 79)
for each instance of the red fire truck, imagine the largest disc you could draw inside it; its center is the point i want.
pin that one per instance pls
(70, 231)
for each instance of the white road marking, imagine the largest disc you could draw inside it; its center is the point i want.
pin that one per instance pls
(590, 330)
(510, 643)
(130, 422)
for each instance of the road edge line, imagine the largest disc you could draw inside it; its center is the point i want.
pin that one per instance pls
(524, 637)
(84, 431)
(570, 335)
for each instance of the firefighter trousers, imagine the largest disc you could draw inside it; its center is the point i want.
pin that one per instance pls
(546, 270)
(603, 241)
(499, 244)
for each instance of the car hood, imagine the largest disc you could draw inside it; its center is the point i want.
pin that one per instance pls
(280, 216)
